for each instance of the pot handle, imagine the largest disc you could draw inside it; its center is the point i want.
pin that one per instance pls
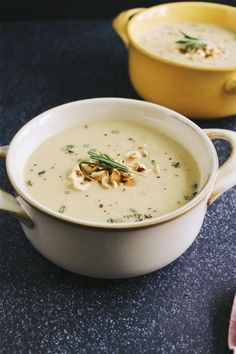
(230, 86)
(11, 205)
(121, 21)
(227, 172)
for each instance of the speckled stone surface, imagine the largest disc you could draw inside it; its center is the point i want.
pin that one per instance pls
(181, 309)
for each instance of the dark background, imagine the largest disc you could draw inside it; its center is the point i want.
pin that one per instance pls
(55, 52)
(73, 9)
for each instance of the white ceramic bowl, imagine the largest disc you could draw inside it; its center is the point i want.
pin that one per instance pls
(115, 250)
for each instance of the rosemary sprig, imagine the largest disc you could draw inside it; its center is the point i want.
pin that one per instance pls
(105, 161)
(190, 43)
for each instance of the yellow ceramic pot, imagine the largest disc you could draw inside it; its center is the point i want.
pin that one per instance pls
(195, 91)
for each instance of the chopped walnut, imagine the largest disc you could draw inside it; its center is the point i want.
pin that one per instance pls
(115, 178)
(133, 155)
(138, 166)
(208, 51)
(156, 169)
(78, 179)
(142, 149)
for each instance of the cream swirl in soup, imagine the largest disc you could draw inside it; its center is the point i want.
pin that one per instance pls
(111, 171)
(192, 43)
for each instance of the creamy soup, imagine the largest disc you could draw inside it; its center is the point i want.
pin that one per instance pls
(192, 43)
(111, 171)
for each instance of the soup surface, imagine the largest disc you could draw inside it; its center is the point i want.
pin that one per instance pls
(161, 176)
(192, 43)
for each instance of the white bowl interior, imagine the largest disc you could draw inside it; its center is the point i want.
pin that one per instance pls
(60, 118)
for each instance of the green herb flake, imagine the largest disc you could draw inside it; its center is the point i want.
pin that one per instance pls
(190, 197)
(101, 205)
(133, 210)
(41, 172)
(114, 131)
(68, 148)
(147, 216)
(176, 164)
(110, 220)
(86, 126)
(29, 183)
(153, 162)
(62, 209)
(67, 192)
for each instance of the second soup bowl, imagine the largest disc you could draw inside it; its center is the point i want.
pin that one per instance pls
(193, 90)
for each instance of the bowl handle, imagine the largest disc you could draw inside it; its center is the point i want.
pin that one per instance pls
(11, 205)
(121, 21)
(227, 172)
(230, 86)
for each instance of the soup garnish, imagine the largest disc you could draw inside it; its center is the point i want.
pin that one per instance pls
(195, 43)
(189, 43)
(199, 47)
(111, 171)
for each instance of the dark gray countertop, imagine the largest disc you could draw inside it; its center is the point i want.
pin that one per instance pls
(181, 309)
